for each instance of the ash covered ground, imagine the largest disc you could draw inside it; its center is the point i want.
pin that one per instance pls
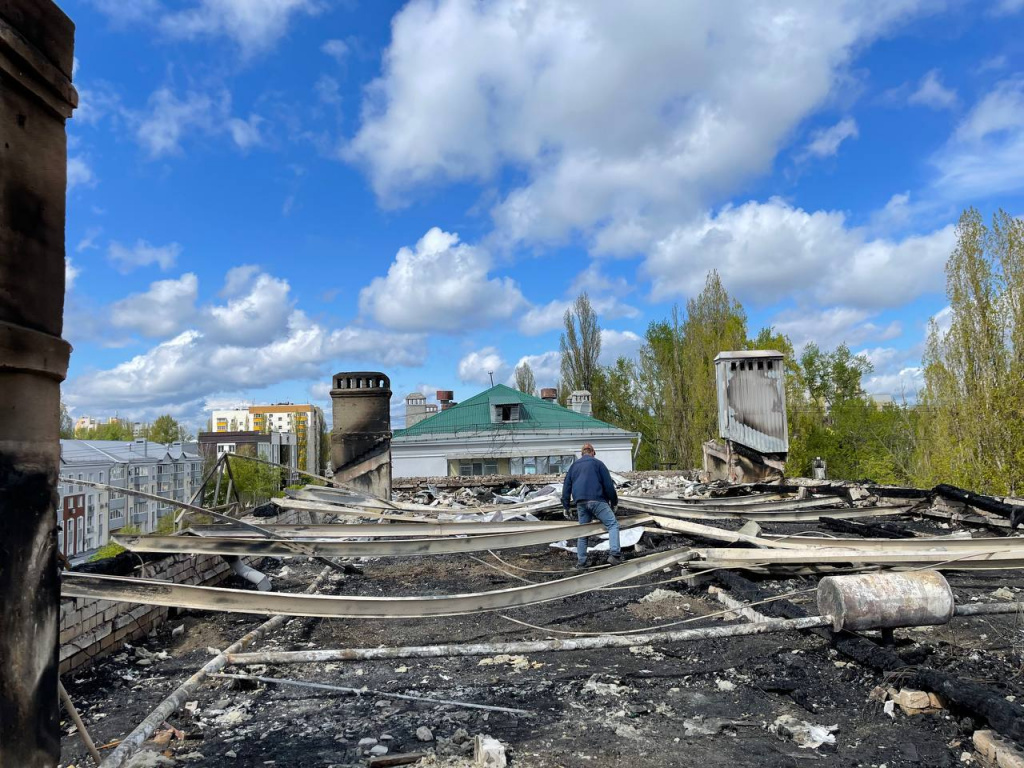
(707, 703)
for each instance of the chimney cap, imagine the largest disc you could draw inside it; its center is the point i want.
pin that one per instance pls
(445, 395)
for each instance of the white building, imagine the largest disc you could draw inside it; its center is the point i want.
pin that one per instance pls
(506, 432)
(87, 516)
(305, 421)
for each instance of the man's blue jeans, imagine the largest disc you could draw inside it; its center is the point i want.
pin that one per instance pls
(601, 511)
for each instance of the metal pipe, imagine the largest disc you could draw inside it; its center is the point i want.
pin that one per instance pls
(131, 743)
(90, 747)
(528, 646)
(36, 97)
(249, 573)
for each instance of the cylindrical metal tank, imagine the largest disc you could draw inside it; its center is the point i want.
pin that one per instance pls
(886, 600)
(36, 97)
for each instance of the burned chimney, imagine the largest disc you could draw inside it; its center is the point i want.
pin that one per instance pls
(579, 401)
(549, 394)
(361, 437)
(446, 398)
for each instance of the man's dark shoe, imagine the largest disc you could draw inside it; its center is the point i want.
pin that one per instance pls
(615, 560)
(580, 566)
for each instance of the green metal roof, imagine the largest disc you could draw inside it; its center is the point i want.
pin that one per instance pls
(474, 415)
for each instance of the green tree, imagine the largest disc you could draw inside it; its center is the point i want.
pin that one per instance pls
(166, 430)
(256, 482)
(974, 431)
(580, 346)
(525, 380)
(715, 322)
(67, 427)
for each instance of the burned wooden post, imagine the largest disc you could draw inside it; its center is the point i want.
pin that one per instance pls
(36, 97)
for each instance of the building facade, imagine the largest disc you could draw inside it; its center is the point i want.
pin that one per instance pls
(503, 431)
(305, 421)
(87, 515)
(276, 447)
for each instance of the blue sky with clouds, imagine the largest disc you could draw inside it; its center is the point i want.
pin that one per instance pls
(264, 192)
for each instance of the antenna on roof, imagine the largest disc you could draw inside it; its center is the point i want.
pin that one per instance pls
(491, 374)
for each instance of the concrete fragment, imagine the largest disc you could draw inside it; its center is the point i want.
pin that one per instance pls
(913, 702)
(424, 734)
(489, 752)
(378, 750)
(996, 751)
(367, 742)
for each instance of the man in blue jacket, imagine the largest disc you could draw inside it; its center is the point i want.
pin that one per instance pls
(589, 483)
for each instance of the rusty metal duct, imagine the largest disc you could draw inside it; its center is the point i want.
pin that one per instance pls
(36, 97)
(752, 400)
(361, 434)
(549, 393)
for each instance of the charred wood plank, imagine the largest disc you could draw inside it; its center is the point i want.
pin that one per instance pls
(1015, 514)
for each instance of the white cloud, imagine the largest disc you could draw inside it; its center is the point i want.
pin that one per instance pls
(328, 89)
(169, 118)
(825, 142)
(124, 12)
(163, 310)
(239, 280)
(546, 367)
(142, 254)
(551, 316)
(903, 383)
(440, 285)
(336, 49)
(252, 317)
(80, 174)
(944, 319)
(217, 359)
(828, 328)
(1007, 7)
(932, 93)
(616, 344)
(255, 25)
(985, 156)
(764, 250)
(476, 367)
(622, 116)
(71, 273)
(245, 133)
(88, 241)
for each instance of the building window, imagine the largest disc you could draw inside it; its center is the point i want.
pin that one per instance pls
(478, 467)
(505, 412)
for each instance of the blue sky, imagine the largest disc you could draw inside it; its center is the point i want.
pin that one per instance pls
(264, 192)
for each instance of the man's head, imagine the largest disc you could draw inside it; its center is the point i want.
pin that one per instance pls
(587, 450)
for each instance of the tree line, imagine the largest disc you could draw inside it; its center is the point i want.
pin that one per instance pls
(965, 426)
(164, 429)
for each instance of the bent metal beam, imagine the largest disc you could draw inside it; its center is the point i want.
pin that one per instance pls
(335, 548)
(153, 592)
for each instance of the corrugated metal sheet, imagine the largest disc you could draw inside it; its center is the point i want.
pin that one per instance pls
(752, 400)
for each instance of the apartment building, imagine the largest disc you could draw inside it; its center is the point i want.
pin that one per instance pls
(87, 515)
(305, 421)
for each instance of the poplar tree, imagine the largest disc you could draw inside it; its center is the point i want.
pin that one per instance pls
(525, 380)
(580, 346)
(974, 423)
